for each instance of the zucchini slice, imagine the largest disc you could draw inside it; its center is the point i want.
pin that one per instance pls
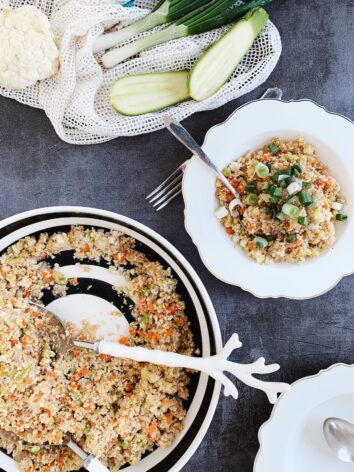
(218, 63)
(145, 93)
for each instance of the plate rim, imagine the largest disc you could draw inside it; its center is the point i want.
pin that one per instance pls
(187, 455)
(186, 209)
(265, 426)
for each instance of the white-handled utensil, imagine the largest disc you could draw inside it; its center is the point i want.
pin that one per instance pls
(214, 366)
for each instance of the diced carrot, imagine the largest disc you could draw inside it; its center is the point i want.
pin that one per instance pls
(123, 340)
(168, 416)
(242, 210)
(181, 320)
(111, 377)
(85, 248)
(120, 258)
(250, 246)
(326, 205)
(27, 340)
(152, 336)
(287, 226)
(229, 197)
(166, 401)
(140, 333)
(37, 397)
(151, 307)
(132, 331)
(105, 357)
(229, 230)
(27, 293)
(152, 430)
(170, 309)
(129, 387)
(241, 187)
(13, 342)
(168, 332)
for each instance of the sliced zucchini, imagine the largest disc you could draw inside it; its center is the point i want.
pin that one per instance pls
(144, 93)
(218, 63)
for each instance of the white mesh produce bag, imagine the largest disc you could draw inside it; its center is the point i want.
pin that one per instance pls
(76, 100)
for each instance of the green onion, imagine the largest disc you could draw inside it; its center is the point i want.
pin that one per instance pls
(251, 199)
(226, 171)
(302, 220)
(305, 199)
(164, 12)
(291, 238)
(251, 187)
(290, 210)
(274, 199)
(145, 318)
(260, 242)
(261, 170)
(276, 191)
(269, 237)
(205, 18)
(341, 217)
(273, 148)
(296, 169)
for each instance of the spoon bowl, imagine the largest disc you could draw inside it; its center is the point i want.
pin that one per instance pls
(339, 435)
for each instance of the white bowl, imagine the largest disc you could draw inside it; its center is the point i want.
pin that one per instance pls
(249, 128)
(204, 391)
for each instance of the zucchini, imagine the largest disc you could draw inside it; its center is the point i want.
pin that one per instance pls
(218, 63)
(144, 93)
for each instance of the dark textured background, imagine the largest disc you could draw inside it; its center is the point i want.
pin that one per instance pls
(37, 169)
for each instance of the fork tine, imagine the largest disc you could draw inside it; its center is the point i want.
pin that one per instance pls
(165, 189)
(169, 200)
(172, 176)
(178, 186)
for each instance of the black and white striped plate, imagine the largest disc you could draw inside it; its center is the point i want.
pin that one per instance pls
(94, 295)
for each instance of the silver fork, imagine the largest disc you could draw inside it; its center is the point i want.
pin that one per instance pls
(170, 188)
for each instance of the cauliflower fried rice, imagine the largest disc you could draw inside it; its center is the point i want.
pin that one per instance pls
(290, 203)
(113, 408)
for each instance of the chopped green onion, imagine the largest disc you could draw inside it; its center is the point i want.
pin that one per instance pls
(261, 170)
(274, 199)
(336, 206)
(303, 221)
(296, 169)
(282, 177)
(290, 210)
(307, 185)
(282, 183)
(260, 242)
(226, 171)
(273, 148)
(276, 191)
(341, 217)
(251, 187)
(305, 199)
(221, 212)
(291, 238)
(269, 237)
(251, 199)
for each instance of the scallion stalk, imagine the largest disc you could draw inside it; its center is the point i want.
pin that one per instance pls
(164, 12)
(200, 20)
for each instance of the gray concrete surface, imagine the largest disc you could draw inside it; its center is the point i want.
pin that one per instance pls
(37, 169)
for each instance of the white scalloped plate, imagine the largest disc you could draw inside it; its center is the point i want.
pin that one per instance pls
(292, 439)
(250, 127)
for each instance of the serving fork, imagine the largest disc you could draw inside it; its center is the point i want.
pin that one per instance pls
(170, 188)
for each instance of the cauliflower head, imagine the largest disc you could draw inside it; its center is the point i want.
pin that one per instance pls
(27, 50)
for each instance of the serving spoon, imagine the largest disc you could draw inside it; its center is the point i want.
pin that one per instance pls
(91, 463)
(339, 435)
(214, 366)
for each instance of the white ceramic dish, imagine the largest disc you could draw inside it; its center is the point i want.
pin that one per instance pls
(204, 392)
(292, 439)
(249, 128)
